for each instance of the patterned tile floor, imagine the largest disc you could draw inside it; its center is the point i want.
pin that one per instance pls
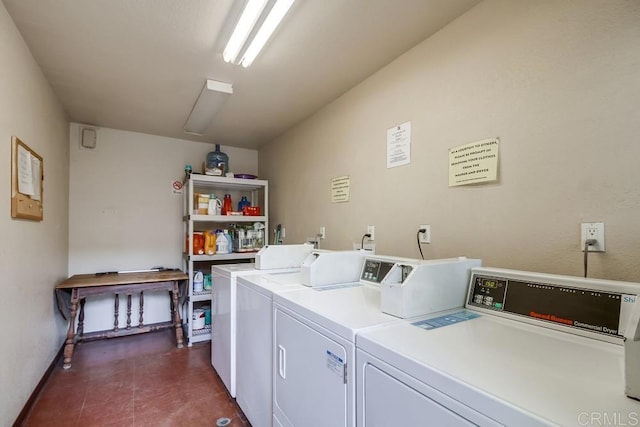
(141, 380)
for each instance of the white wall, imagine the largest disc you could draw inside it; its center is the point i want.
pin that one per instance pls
(123, 214)
(557, 81)
(33, 255)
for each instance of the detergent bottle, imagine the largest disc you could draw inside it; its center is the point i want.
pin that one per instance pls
(222, 243)
(209, 242)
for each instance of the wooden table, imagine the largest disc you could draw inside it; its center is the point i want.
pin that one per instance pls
(81, 286)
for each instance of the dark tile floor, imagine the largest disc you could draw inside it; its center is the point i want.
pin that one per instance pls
(141, 380)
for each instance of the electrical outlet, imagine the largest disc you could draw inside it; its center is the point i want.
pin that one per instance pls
(371, 231)
(424, 237)
(592, 230)
(322, 233)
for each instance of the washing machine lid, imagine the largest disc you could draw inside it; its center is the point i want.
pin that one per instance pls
(267, 284)
(228, 270)
(243, 269)
(343, 309)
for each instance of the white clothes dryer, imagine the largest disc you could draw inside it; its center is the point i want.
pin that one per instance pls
(529, 350)
(315, 332)
(270, 259)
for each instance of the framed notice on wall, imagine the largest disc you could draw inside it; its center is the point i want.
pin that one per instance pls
(26, 182)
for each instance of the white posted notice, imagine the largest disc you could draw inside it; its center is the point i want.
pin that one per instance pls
(399, 145)
(25, 171)
(474, 163)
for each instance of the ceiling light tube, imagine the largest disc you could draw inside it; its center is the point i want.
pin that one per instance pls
(211, 98)
(276, 15)
(248, 19)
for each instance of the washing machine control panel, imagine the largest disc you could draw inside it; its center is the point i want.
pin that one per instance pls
(591, 310)
(375, 270)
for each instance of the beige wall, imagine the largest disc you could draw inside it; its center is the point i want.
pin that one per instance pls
(33, 255)
(123, 214)
(557, 81)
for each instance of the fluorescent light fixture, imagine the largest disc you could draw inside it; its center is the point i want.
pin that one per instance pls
(252, 14)
(268, 27)
(248, 19)
(213, 95)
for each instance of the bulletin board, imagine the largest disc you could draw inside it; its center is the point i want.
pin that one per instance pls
(27, 177)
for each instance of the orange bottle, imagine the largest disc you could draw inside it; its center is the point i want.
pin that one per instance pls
(227, 205)
(209, 243)
(198, 244)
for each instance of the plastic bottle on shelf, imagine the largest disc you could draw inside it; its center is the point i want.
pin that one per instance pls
(209, 243)
(198, 244)
(198, 282)
(229, 240)
(243, 203)
(227, 205)
(259, 233)
(215, 205)
(217, 163)
(222, 243)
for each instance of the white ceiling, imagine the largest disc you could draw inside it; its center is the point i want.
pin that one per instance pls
(139, 65)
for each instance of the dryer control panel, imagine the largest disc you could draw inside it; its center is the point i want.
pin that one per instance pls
(581, 305)
(375, 270)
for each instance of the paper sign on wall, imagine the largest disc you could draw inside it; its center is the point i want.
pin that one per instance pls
(340, 189)
(474, 163)
(399, 145)
(177, 187)
(25, 171)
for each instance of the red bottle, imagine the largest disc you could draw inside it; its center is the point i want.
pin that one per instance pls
(227, 206)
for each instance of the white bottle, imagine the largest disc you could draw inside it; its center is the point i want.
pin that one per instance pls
(230, 240)
(198, 282)
(222, 244)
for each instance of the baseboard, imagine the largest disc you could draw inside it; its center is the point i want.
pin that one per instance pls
(22, 417)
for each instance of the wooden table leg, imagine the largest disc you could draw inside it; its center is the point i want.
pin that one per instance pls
(141, 321)
(177, 320)
(81, 318)
(128, 311)
(70, 341)
(116, 312)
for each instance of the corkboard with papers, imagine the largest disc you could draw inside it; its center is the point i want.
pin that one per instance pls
(27, 177)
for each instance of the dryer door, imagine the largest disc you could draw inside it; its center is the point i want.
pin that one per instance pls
(309, 370)
(389, 402)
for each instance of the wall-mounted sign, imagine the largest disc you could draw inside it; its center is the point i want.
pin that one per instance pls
(27, 175)
(474, 163)
(399, 145)
(340, 189)
(177, 187)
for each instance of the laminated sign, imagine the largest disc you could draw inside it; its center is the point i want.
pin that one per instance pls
(340, 189)
(474, 163)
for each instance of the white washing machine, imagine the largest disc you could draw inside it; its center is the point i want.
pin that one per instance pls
(254, 323)
(529, 350)
(254, 342)
(270, 259)
(314, 338)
